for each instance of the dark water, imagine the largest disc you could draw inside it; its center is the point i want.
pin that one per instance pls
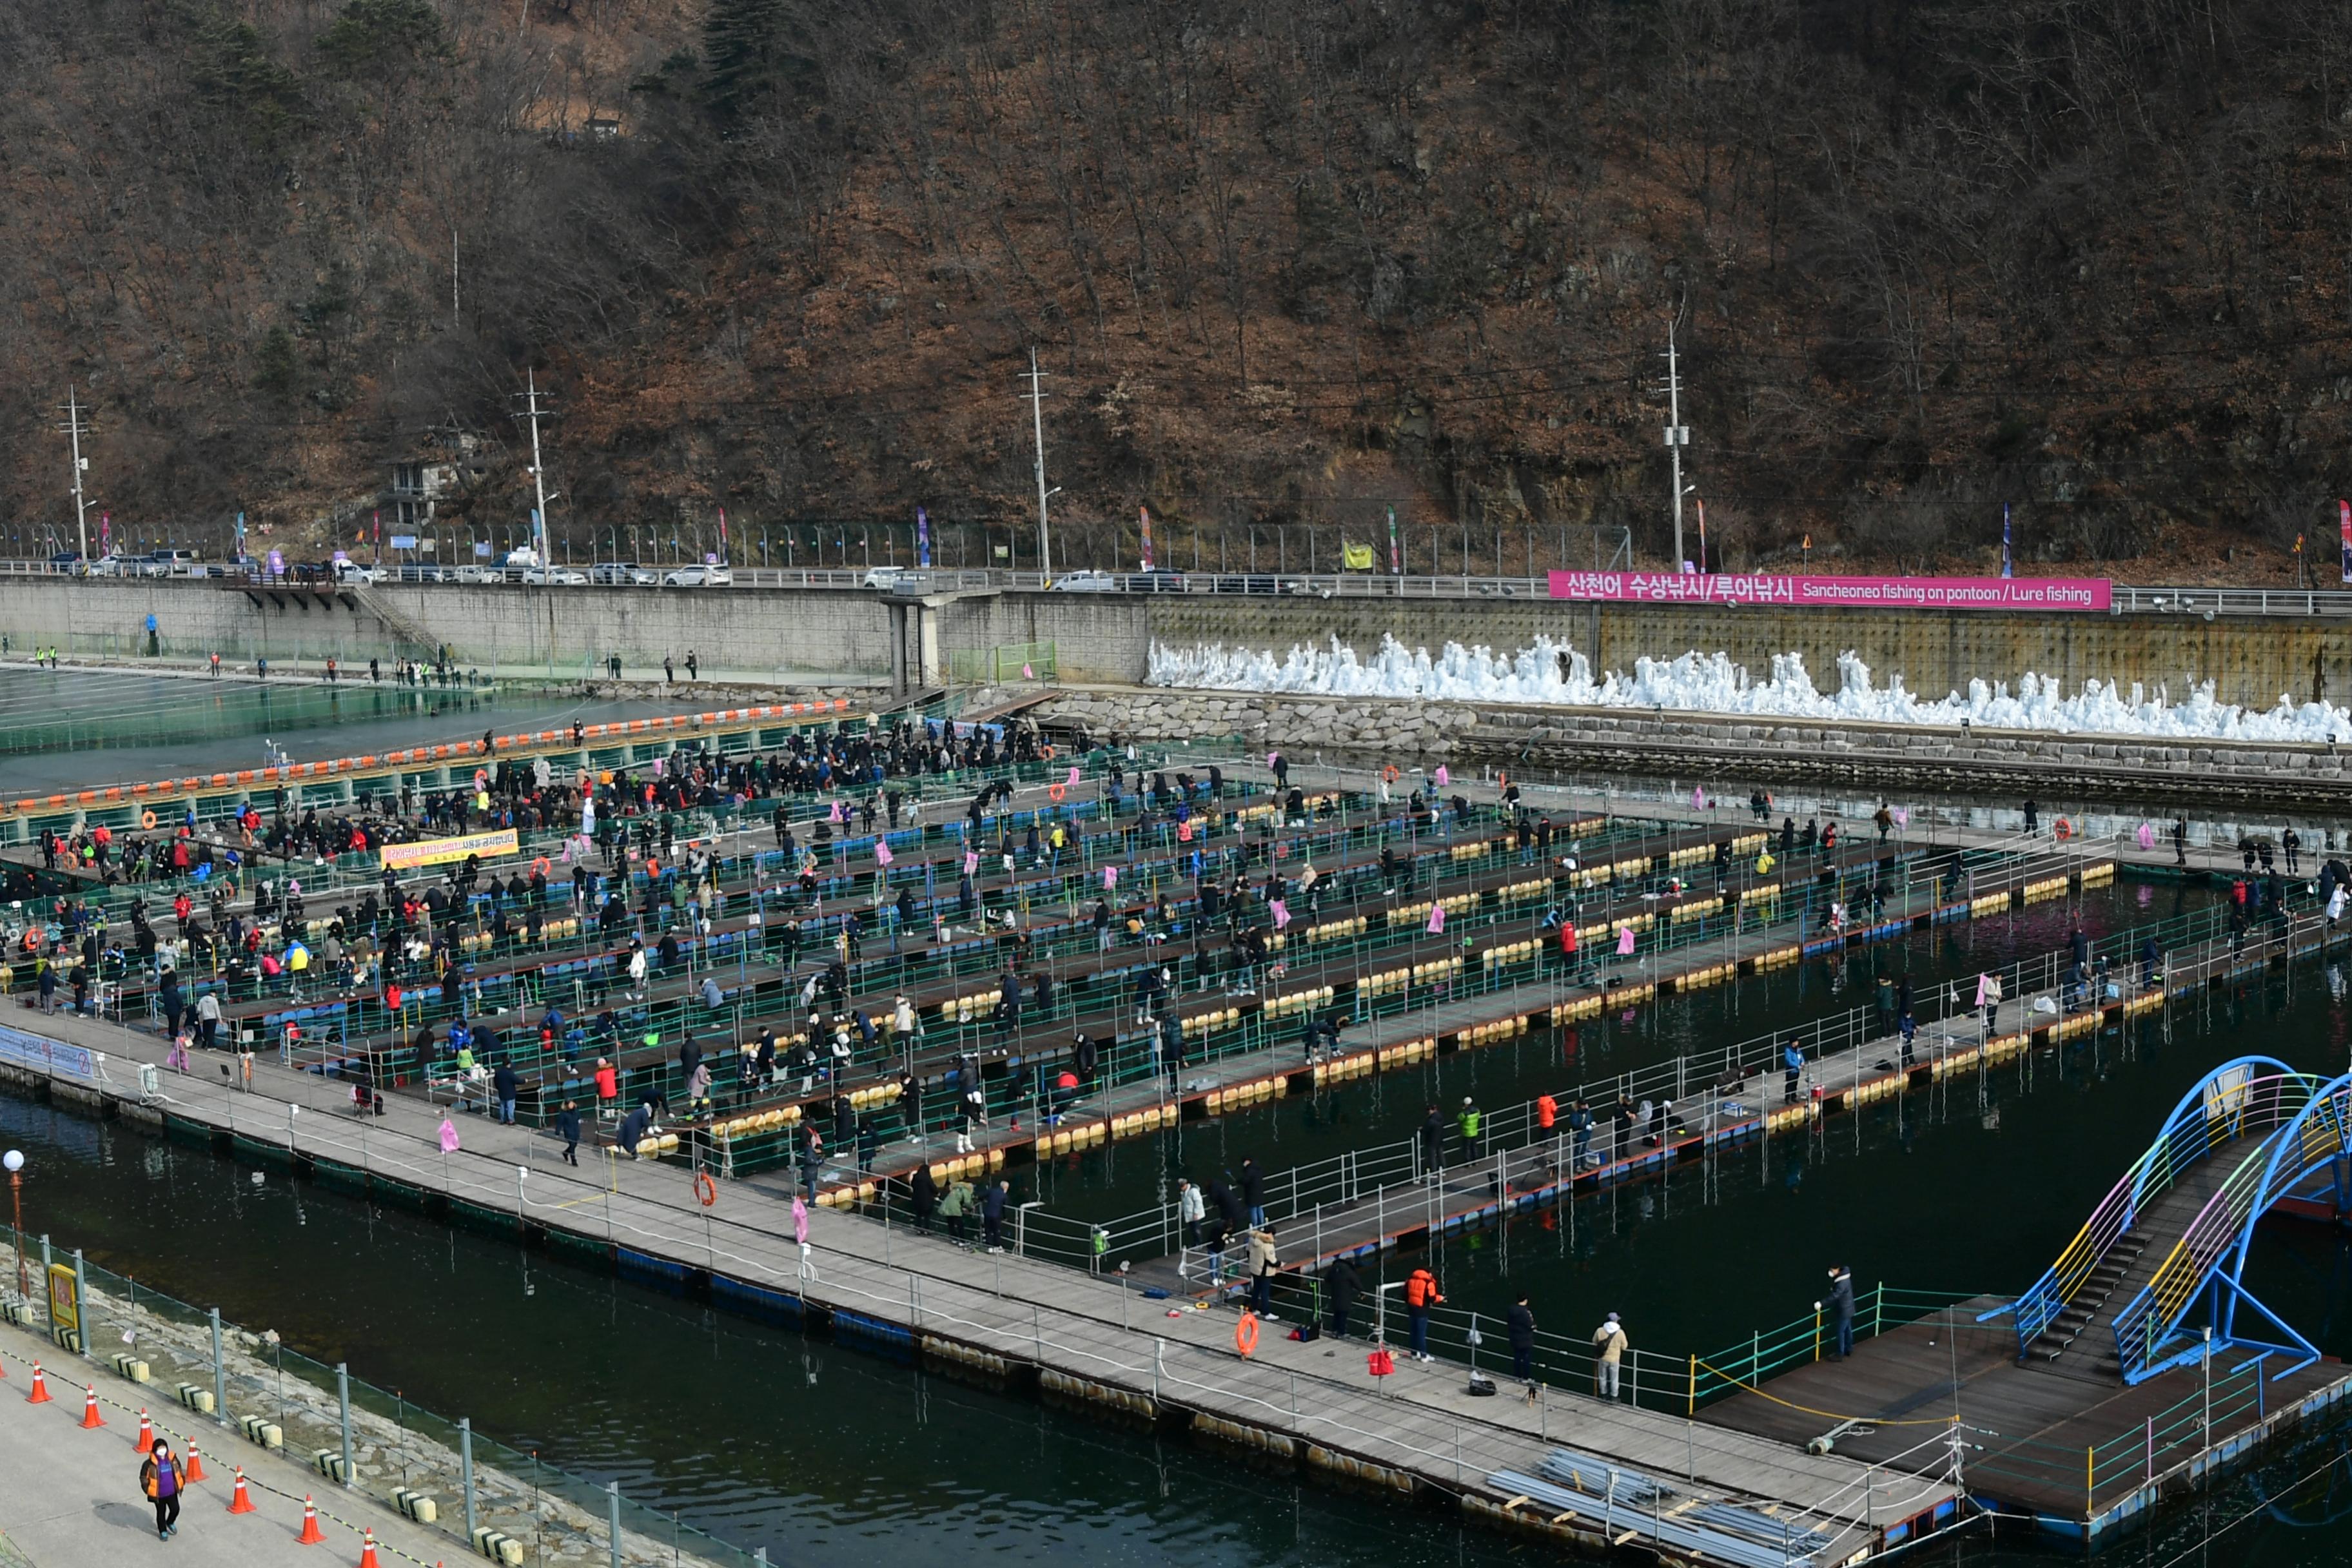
(824, 1455)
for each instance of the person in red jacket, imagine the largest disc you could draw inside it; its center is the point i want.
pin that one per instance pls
(1420, 1296)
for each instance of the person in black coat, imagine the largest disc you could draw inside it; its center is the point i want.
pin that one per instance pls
(991, 1212)
(567, 1127)
(1343, 1282)
(1521, 1327)
(1254, 1191)
(923, 1195)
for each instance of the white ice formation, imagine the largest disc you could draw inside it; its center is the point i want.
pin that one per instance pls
(1712, 683)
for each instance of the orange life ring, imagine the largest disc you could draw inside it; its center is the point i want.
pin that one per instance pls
(1388, 775)
(1246, 1333)
(1047, 753)
(705, 1188)
(147, 820)
(541, 865)
(2063, 830)
(1054, 792)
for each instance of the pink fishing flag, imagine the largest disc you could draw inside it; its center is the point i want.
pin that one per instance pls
(2147, 836)
(836, 813)
(449, 1137)
(881, 852)
(1110, 877)
(1624, 941)
(1072, 781)
(1444, 778)
(1281, 912)
(1436, 919)
(971, 861)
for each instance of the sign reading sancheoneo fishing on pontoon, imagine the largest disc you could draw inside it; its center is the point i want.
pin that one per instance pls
(2089, 593)
(441, 851)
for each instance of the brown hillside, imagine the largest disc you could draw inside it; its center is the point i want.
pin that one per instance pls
(1286, 264)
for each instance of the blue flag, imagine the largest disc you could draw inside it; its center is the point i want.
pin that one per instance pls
(2007, 568)
(922, 538)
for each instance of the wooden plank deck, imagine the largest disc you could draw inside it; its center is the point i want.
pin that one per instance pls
(2039, 1441)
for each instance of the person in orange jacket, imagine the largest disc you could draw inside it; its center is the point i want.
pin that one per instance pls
(1420, 1296)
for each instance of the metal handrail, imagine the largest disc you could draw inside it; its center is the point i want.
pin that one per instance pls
(2187, 1137)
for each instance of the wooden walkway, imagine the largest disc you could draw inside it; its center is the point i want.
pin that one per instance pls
(1082, 1338)
(2066, 1451)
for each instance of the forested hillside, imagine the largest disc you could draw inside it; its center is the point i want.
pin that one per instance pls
(1283, 260)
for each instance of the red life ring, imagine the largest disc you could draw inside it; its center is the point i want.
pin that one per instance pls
(1048, 753)
(1246, 1333)
(1054, 792)
(705, 1188)
(2063, 830)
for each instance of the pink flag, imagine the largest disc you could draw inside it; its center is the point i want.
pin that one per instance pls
(1184, 831)
(1902, 815)
(1699, 800)
(1072, 781)
(1436, 919)
(2146, 836)
(971, 861)
(1027, 673)
(1269, 759)
(1624, 941)
(1110, 877)
(449, 1137)
(881, 852)
(1443, 777)
(1281, 912)
(836, 811)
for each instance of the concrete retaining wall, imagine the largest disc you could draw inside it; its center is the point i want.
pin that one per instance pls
(1107, 637)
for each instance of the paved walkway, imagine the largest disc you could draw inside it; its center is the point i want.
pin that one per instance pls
(71, 1497)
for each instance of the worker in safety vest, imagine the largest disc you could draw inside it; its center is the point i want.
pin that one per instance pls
(1420, 1296)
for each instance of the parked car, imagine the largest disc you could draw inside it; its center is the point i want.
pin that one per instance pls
(66, 561)
(623, 574)
(357, 571)
(1086, 582)
(555, 577)
(700, 577)
(183, 563)
(479, 574)
(894, 579)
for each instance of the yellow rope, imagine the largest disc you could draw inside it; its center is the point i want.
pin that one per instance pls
(1825, 1414)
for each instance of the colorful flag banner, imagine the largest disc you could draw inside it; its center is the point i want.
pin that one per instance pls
(1144, 514)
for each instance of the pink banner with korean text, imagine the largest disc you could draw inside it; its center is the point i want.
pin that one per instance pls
(2081, 594)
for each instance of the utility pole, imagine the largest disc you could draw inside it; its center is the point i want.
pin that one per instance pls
(532, 411)
(75, 430)
(1037, 425)
(1677, 433)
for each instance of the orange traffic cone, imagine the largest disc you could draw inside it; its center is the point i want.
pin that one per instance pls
(89, 1415)
(195, 1464)
(310, 1536)
(367, 1549)
(40, 1394)
(240, 1502)
(146, 1438)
